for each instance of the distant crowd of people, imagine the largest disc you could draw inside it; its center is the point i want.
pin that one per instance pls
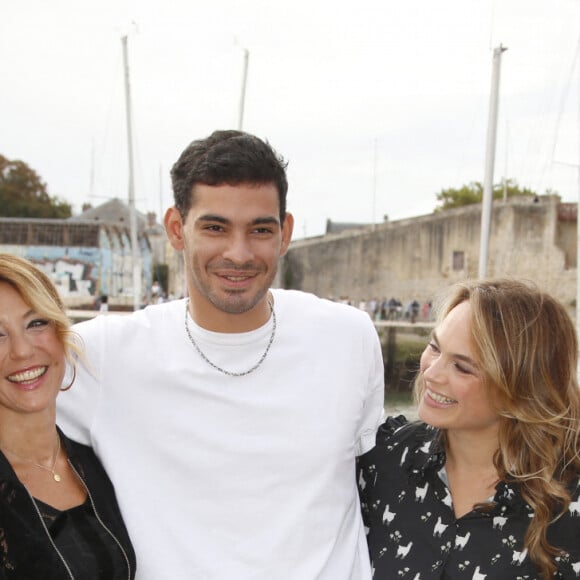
(392, 309)
(157, 295)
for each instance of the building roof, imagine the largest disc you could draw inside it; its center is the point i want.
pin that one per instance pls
(337, 227)
(112, 212)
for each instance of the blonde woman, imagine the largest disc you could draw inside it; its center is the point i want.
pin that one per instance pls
(59, 517)
(486, 484)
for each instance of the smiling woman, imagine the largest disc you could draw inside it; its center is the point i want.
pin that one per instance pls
(487, 483)
(58, 513)
(453, 395)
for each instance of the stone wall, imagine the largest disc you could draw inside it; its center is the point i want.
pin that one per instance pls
(415, 258)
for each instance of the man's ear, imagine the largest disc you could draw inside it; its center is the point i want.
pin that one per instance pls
(287, 228)
(174, 228)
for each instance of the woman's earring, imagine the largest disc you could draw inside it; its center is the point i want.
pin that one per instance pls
(72, 381)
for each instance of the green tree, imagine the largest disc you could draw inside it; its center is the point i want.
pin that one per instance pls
(473, 193)
(24, 194)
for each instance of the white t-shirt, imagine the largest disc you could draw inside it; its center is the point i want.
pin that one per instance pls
(235, 478)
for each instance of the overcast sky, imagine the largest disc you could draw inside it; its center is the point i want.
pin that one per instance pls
(377, 105)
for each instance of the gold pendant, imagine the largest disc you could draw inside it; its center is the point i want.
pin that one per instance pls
(56, 477)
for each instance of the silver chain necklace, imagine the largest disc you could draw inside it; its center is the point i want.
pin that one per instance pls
(224, 371)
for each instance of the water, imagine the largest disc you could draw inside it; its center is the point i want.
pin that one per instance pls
(400, 408)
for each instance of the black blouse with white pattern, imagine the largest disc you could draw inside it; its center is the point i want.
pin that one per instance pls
(413, 532)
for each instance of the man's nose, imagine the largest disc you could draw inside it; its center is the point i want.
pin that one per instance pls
(239, 249)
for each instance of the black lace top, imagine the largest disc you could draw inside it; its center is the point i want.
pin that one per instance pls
(413, 532)
(77, 546)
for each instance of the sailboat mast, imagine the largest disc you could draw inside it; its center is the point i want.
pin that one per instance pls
(243, 91)
(131, 184)
(489, 163)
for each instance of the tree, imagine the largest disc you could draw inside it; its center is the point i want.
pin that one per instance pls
(473, 193)
(24, 194)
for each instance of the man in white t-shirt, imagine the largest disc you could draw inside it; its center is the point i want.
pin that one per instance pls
(229, 421)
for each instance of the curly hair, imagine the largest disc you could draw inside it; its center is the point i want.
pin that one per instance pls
(527, 349)
(37, 290)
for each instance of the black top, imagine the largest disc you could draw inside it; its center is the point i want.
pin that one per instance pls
(89, 550)
(413, 532)
(29, 551)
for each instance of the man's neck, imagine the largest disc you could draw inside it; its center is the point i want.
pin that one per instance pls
(208, 316)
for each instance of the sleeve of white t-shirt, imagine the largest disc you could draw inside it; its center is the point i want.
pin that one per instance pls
(77, 407)
(373, 410)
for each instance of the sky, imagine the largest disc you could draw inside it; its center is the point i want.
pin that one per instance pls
(376, 105)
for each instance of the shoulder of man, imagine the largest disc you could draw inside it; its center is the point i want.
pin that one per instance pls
(314, 305)
(125, 320)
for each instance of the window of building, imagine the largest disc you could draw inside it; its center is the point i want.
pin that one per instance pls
(458, 261)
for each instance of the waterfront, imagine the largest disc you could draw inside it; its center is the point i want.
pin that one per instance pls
(400, 405)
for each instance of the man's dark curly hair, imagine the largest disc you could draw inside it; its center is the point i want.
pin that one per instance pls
(227, 157)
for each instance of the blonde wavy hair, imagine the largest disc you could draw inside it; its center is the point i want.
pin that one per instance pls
(526, 346)
(38, 291)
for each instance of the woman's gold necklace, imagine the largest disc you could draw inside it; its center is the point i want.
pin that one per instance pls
(55, 475)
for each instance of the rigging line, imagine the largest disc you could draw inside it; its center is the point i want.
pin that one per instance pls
(535, 139)
(491, 25)
(105, 140)
(138, 162)
(472, 137)
(563, 99)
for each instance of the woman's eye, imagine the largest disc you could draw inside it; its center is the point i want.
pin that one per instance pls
(433, 347)
(463, 370)
(38, 323)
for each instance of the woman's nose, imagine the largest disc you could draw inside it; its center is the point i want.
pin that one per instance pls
(435, 369)
(21, 346)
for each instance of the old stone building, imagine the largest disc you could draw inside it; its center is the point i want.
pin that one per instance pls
(85, 256)
(531, 237)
